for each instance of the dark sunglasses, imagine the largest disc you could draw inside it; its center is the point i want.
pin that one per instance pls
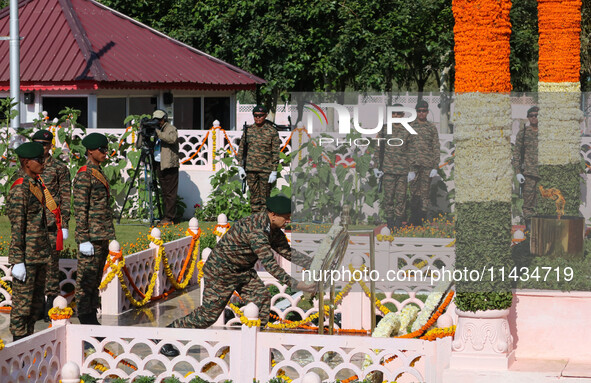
(532, 115)
(422, 110)
(258, 115)
(38, 159)
(103, 150)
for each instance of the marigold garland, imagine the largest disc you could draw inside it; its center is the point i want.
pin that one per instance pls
(432, 320)
(481, 34)
(437, 333)
(55, 313)
(1, 344)
(218, 233)
(5, 287)
(559, 25)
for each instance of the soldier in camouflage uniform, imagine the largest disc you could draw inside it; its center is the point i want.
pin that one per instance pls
(29, 251)
(94, 226)
(525, 162)
(393, 162)
(258, 155)
(230, 267)
(424, 154)
(56, 178)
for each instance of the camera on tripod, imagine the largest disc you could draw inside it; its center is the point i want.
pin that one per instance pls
(148, 127)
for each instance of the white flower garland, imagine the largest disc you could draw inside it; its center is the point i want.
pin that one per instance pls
(482, 133)
(430, 304)
(406, 317)
(560, 116)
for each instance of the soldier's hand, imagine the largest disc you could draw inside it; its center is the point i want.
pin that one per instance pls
(306, 287)
(411, 176)
(520, 178)
(65, 233)
(19, 272)
(433, 173)
(241, 173)
(378, 173)
(272, 177)
(87, 249)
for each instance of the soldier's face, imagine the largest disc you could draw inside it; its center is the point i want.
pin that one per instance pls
(46, 147)
(422, 114)
(36, 165)
(533, 118)
(278, 221)
(259, 118)
(98, 156)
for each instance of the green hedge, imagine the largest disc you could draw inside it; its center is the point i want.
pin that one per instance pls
(565, 178)
(483, 242)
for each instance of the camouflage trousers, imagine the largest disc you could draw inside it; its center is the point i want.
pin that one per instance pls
(28, 300)
(420, 188)
(260, 189)
(529, 192)
(394, 186)
(88, 277)
(218, 291)
(52, 282)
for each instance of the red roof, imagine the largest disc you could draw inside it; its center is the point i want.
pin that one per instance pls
(81, 44)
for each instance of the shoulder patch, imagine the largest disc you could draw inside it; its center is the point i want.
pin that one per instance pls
(82, 169)
(19, 181)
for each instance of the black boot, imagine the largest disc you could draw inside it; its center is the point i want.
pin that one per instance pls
(169, 350)
(48, 306)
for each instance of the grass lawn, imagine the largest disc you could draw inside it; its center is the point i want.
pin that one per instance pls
(127, 232)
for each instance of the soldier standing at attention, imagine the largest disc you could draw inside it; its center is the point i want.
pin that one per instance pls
(56, 179)
(29, 251)
(258, 155)
(94, 226)
(230, 267)
(393, 162)
(525, 163)
(424, 161)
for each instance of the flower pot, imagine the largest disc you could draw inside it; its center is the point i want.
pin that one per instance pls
(483, 341)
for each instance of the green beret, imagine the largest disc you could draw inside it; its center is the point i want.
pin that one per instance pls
(259, 109)
(532, 110)
(30, 150)
(94, 141)
(279, 204)
(422, 104)
(43, 135)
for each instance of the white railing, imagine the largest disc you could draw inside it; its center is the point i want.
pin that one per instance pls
(140, 266)
(240, 355)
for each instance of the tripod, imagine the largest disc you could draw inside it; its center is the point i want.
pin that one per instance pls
(150, 180)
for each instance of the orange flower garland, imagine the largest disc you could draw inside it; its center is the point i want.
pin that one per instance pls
(481, 34)
(559, 24)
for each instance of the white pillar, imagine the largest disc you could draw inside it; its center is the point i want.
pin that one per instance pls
(111, 296)
(70, 373)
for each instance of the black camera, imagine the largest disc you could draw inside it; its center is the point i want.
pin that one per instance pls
(148, 127)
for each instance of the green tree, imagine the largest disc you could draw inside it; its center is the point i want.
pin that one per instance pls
(523, 60)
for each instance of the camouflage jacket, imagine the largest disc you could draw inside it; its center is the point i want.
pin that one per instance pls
(169, 141)
(56, 177)
(92, 208)
(263, 148)
(249, 240)
(395, 158)
(26, 211)
(525, 151)
(424, 146)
